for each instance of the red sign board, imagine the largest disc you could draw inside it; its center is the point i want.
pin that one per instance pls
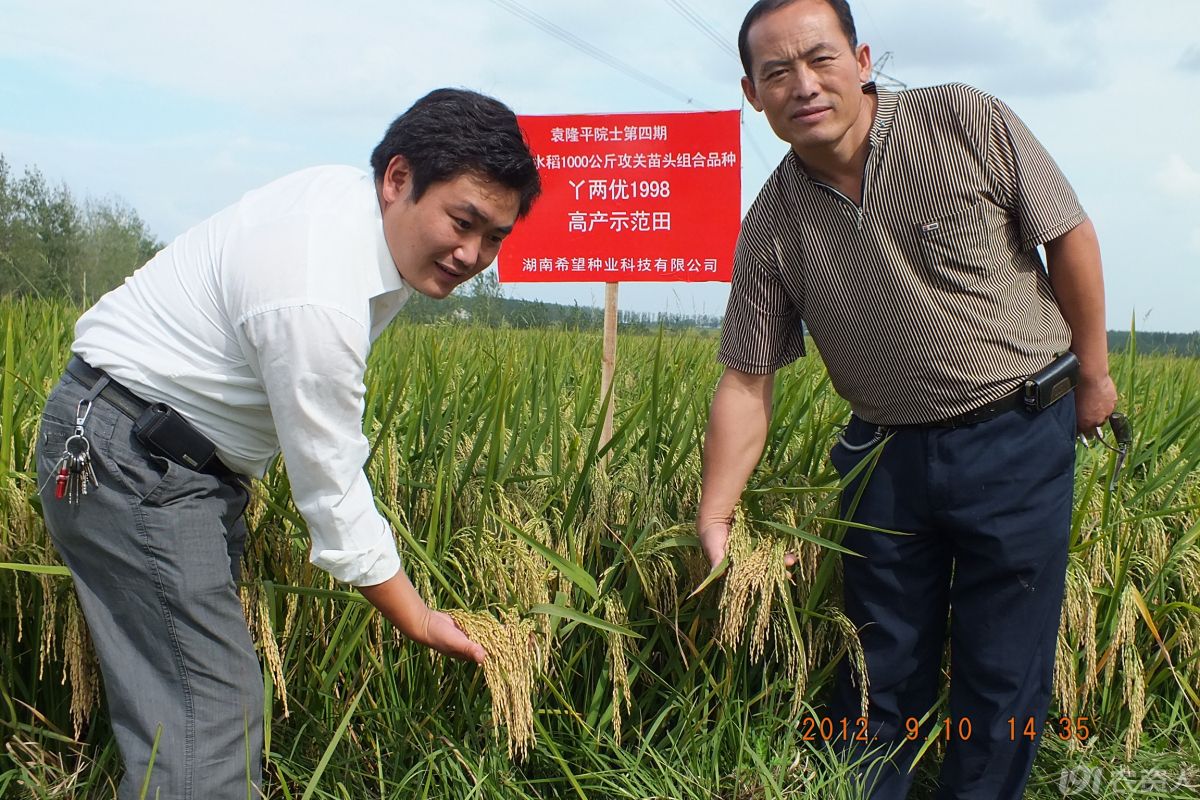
(630, 197)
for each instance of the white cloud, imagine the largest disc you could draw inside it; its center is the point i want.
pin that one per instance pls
(1190, 60)
(271, 56)
(308, 59)
(181, 108)
(1179, 178)
(1002, 47)
(1071, 11)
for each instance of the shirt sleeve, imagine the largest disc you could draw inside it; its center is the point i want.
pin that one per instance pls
(762, 330)
(1031, 184)
(312, 360)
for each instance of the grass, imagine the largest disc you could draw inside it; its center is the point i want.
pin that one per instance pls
(486, 458)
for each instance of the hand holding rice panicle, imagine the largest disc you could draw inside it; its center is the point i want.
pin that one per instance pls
(512, 660)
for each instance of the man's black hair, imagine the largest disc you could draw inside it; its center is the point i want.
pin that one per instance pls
(450, 132)
(763, 7)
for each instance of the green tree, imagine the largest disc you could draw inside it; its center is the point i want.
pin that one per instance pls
(116, 242)
(486, 295)
(51, 246)
(23, 257)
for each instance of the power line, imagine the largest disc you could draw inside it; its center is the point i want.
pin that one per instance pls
(722, 42)
(546, 26)
(704, 27)
(749, 137)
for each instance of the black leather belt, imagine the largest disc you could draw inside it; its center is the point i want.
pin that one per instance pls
(131, 406)
(117, 395)
(1010, 402)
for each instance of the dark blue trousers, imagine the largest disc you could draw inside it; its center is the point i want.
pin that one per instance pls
(986, 512)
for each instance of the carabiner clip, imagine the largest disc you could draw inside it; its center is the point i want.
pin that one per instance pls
(880, 432)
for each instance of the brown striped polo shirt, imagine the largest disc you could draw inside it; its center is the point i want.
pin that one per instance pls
(930, 299)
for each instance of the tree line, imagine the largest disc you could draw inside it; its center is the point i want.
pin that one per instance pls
(482, 302)
(1180, 344)
(52, 245)
(55, 246)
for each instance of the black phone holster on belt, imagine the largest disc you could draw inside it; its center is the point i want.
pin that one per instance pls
(1045, 387)
(165, 432)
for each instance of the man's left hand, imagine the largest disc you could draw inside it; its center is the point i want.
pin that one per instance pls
(397, 600)
(441, 633)
(1095, 400)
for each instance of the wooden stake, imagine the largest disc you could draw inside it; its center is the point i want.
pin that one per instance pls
(609, 366)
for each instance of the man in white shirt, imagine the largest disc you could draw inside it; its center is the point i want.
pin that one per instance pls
(246, 336)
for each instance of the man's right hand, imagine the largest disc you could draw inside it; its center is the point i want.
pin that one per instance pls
(737, 431)
(714, 540)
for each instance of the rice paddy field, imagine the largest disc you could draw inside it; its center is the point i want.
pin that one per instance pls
(610, 676)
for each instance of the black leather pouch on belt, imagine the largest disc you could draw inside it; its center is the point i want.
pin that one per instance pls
(166, 433)
(1044, 388)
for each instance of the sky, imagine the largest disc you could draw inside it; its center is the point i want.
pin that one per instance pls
(177, 109)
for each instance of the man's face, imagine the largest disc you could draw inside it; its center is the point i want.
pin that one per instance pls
(448, 236)
(807, 78)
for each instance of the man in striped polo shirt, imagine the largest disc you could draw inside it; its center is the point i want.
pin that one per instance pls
(902, 229)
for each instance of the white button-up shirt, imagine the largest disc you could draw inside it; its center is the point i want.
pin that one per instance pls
(255, 325)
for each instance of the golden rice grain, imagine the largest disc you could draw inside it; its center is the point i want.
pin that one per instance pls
(1134, 693)
(509, 671)
(614, 612)
(757, 579)
(756, 575)
(1065, 675)
(81, 669)
(854, 652)
(1078, 624)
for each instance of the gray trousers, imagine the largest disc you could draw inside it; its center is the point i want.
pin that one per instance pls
(154, 552)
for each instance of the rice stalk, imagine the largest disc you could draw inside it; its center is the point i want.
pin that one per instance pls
(614, 612)
(1078, 625)
(1134, 692)
(1123, 634)
(655, 562)
(1066, 688)
(49, 620)
(792, 655)
(1188, 570)
(854, 651)
(509, 668)
(756, 576)
(82, 671)
(268, 645)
